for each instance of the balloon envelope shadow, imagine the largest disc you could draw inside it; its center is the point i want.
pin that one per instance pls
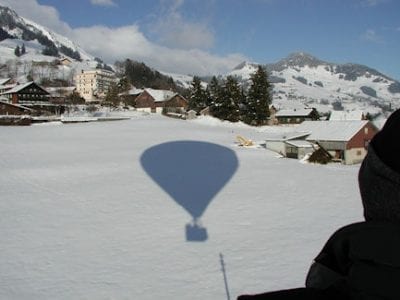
(192, 173)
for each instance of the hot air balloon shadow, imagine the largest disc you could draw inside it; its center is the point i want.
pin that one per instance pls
(192, 173)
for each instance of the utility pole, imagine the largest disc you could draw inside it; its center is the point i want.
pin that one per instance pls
(221, 257)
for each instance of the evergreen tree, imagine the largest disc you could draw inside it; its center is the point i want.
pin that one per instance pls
(198, 95)
(112, 97)
(213, 91)
(23, 50)
(256, 108)
(75, 98)
(226, 105)
(17, 51)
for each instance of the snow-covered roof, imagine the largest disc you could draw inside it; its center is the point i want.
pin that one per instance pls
(338, 115)
(300, 143)
(331, 130)
(134, 91)
(18, 88)
(286, 136)
(160, 95)
(4, 80)
(294, 112)
(4, 101)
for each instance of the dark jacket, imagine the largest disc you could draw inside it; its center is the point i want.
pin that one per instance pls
(360, 261)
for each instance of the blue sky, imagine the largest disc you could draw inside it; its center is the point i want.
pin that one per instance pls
(211, 36)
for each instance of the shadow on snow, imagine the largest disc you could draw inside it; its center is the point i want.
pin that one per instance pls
(192, 173)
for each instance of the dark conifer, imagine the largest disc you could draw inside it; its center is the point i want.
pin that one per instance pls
(256, 109)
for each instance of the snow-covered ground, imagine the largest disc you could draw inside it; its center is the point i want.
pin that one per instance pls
(82, 218)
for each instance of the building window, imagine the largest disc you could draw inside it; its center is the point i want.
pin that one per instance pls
(366, 130)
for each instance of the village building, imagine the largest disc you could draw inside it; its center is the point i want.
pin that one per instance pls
(65, 61)
(296, 116)
(7, 108)
(29, 94)
(346, 141)
(159, 101)
(284, 144)
(6, 84)
(129, 97)
(93, 85)
(342, 115)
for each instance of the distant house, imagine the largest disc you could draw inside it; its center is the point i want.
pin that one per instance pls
(342, 115)
(7, 108)
(296, 116)
(151, 100)
(28, 94)
(129, 97)
(65, 61)
(346, 141)
(5, 81)
(6, 84)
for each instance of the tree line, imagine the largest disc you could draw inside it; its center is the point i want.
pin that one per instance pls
(228, 101)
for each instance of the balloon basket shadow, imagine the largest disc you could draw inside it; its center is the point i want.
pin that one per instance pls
(196, 233)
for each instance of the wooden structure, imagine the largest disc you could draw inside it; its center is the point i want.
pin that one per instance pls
(320, 156)
(14, 109)
(298, 149)
(346, 141)
(296, 116)
(28, 94)
(157, 101)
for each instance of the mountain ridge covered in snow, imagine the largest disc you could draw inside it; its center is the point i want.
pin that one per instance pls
(303, 78)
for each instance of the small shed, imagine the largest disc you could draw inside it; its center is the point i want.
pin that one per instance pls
(277, 142)
(298, 149)
(191, 115)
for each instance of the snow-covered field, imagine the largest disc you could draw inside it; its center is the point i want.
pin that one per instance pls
(82, 218)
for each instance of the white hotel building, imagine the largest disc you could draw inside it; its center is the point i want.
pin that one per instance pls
(93, 85)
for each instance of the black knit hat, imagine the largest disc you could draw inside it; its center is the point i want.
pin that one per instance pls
(387, 144)
(379, 175)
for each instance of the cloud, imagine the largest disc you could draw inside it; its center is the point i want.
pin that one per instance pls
(128, 41)
(103, 2)
(172, 30)
(370, 35)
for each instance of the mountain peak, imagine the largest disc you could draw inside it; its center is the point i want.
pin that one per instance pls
(243, 65)
(301, 59)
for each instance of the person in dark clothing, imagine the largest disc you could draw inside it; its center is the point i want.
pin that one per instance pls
(362, 260)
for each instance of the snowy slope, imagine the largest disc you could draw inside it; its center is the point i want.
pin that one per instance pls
(301, 79)
(82, 219)
(33, 62)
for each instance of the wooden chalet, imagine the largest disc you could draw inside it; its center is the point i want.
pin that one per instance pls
(155, 101)
(28, 94)
(346, 141)
(296, 116)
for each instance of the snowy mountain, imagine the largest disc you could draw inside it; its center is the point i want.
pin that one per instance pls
(303, 79)
(42, 49)
(15, 27)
